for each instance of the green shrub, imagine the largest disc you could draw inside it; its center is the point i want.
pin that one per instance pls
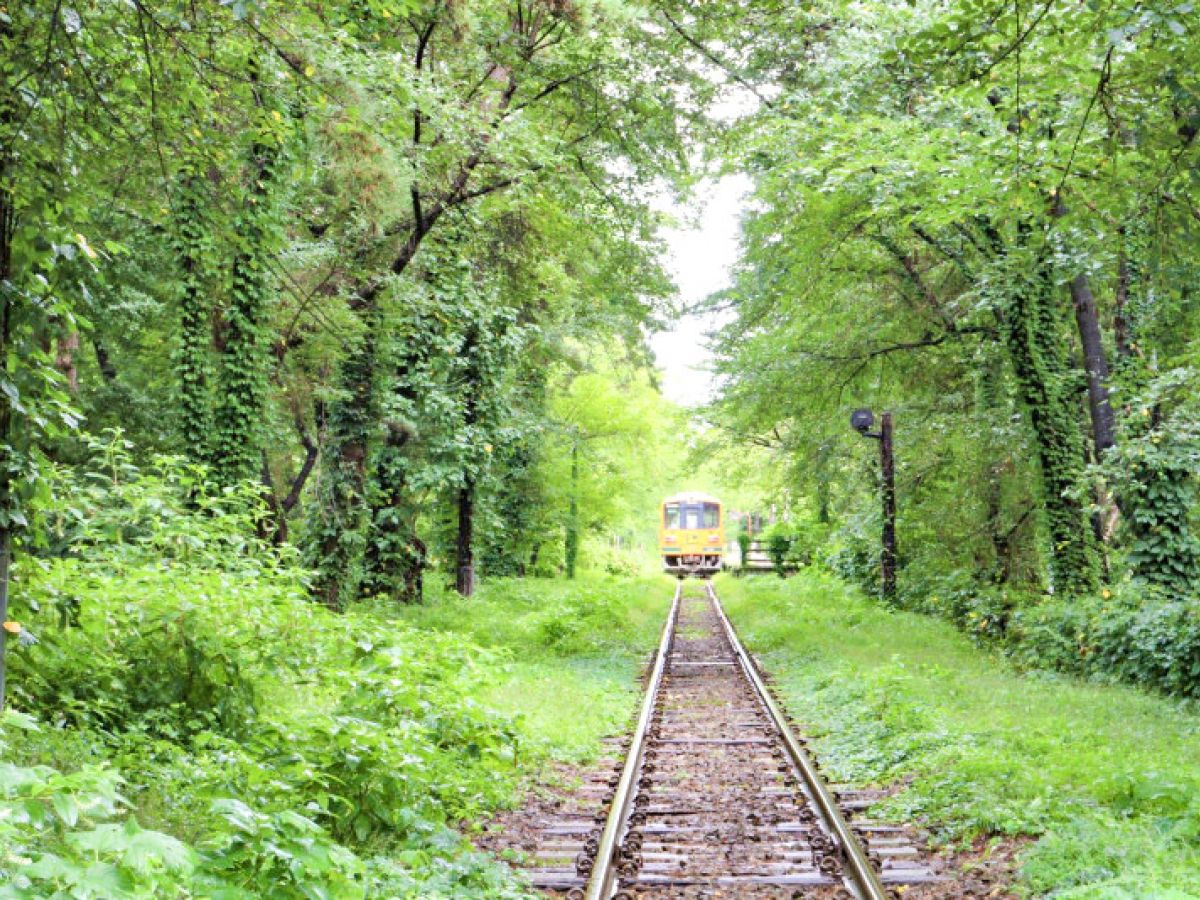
(281, 854)
(779, 540)
(1138, 634)
(854, 557)
(808, 540)
(272, 740)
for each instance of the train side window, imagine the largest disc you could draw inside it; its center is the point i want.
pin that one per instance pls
(712, 515)
(671, 515)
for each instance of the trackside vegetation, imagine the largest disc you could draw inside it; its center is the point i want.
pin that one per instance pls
(193, 725)
(1104, 778)
(332, 434)
(981, 217)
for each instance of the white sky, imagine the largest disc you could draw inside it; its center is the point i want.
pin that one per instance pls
(701, 254)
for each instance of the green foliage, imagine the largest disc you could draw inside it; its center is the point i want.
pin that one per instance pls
(1136, 633)
(779, 540)
(932, 190)
(1103, 778)
(280, 743)
(258, 744)
(279, 854)
(66, 834)
(237, 443)
(1154, 472)
(1048, 393)
(193, 242)
(743, 542)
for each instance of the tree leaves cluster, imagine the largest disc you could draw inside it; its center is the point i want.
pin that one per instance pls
(982, 216)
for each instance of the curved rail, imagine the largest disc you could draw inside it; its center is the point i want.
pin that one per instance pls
(602, 881)
(862, 878)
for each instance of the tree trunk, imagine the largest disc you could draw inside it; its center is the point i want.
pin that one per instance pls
(272, 527)
(241, 398)
(1034, 344)
(572, 540)
(822, 486)
(193, 354)
(104, 362)
(464, 552)
(1095, 365)
(7, 228)
(64, 359)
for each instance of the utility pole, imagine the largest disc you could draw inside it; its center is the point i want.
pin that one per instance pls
(887, 465)
(862, 420)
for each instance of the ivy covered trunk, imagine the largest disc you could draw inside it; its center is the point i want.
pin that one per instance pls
(193, 353)
(395, 557)
(464, 552)
(241, 398)
(1157, 458)
(1162, 494)
(514, 500)
(1033, 338)
(337, 531)
(7, 227)
(571, 550)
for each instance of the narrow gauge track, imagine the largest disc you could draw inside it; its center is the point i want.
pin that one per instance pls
(717, 796)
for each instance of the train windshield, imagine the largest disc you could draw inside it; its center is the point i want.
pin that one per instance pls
(671, 515)
(692, 516)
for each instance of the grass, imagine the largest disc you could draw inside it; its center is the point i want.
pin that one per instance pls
(571, 652)
(1105, 778)
(388, 726)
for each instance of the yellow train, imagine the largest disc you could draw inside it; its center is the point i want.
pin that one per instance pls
(691, 534)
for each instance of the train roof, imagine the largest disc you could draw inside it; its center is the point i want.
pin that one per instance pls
(691, 497)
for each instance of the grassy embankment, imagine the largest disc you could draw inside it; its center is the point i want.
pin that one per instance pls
(571, 652)
(187, 722)
(1106, 778)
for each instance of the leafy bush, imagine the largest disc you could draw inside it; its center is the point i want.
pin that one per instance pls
(779, 541)
(854, 557)
(1102, 780)
(1137, 634)
(272, 740)
(281, 854)
(603, 557)
(808, 540)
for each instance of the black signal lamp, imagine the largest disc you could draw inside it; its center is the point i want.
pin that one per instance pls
(862, 420)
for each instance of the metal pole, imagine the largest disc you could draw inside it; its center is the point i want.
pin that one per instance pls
(888, 467)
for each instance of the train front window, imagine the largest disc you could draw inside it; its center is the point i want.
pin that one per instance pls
(693, 516)
(671, 515)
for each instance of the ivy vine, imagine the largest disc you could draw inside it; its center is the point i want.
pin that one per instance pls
(1049, 393)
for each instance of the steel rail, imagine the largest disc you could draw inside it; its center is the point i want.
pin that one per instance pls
(863, 880)
(602, 881)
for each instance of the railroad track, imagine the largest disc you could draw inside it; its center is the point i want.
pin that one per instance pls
(716, 795)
